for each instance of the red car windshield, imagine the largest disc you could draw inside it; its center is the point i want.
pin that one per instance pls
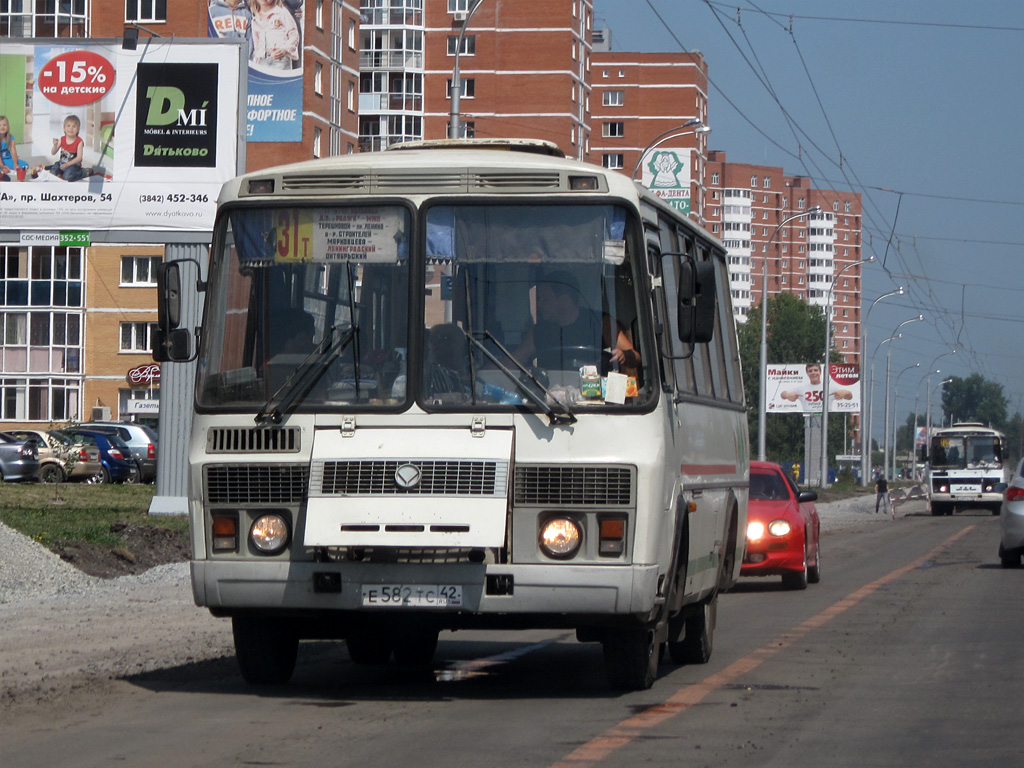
(768, 486)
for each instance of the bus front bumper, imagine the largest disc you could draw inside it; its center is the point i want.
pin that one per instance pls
(558, 589)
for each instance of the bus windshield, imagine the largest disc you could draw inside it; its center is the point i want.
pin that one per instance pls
(311, 308)
(966, 452)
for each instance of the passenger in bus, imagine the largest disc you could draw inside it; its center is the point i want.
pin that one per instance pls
(447, 360)
(565, 328)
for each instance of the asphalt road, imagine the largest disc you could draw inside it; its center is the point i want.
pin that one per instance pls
(908, 653)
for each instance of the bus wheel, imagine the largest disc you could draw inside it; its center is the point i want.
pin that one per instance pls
(414, 646)
(265, 650)
(698, 635)
(369, 644)
(631, 658)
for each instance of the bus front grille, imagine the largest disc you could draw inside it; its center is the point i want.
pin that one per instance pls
(376, 477)
(572, 486)
(255, 483)
(253, 440)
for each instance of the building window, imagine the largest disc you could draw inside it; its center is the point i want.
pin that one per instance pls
(714, 178)
(766, 182)
(136, 337)
(317, 136)
(468, 45)
(613, 160)
(145, 10)
(351, 35)
(613, 130)
(320, 14)
(460, 6)
(351, 96)
(139, 270)
(318, 79)
(614, 98)
(468, 87)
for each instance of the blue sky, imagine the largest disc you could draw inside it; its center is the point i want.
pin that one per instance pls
(919, 97)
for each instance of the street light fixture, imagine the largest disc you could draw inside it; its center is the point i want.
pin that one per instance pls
(865, 413)
(455, 92)
(888, 370)
(895, 400)
(695, 123)
(928, 407)
(763, 409)
(828, 376)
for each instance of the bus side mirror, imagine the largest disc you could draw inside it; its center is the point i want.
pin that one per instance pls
(171, 343)
(697, 304)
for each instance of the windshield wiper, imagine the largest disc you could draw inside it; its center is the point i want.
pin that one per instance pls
(305, 376)
(560, 415)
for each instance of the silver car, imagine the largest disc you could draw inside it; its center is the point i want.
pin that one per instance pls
(19, 459)
(140, 438)
(1011, 521)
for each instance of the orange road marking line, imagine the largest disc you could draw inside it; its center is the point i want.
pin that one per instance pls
(604, 744)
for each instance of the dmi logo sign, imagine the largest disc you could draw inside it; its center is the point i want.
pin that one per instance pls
(176, 115)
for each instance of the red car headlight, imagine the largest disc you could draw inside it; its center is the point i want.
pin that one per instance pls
(755, 530)
(779, 527)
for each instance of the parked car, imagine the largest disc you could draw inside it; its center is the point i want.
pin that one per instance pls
(19, 458)
(117, 463)
(140, 438)
(86, 466)
(782, 528)
(1011, 521)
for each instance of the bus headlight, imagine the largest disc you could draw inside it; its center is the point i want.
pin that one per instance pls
(560, 537)
(269, 534)
(778, 527)
(755, 530)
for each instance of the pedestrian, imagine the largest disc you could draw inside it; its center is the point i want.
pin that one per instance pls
(881, 494)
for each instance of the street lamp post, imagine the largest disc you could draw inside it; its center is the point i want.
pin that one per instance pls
(888, 370)
(763, 409)
(928, 405)
(865, 415)
(871, 393)
(695, 123)
(895, 400)
(455, 93)
(828, 376)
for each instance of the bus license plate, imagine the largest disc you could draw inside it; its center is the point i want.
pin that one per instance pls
(412, 595)
(964, 489)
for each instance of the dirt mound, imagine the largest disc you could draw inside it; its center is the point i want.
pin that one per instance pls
(139, 548)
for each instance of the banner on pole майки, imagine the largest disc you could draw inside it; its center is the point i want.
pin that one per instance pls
(274, 38)
(107, 138)
(799, 388)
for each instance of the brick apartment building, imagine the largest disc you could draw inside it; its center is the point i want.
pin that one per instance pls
(378, 73)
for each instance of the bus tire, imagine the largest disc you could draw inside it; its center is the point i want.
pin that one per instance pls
(265, 650)
(698, 636)
(631, 658)
(369, 644)
(414, 646)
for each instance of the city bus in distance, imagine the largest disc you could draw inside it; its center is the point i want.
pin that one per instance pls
(458, 385)
(965, 464)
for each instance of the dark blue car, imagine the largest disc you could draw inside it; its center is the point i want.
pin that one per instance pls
(119, 466)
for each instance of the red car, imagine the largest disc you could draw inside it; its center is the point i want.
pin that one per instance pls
(782, 529)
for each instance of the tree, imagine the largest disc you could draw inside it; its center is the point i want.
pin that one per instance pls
(796, 334)
(975, 399)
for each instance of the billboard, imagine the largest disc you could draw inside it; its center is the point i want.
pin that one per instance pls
(666, 173)
(799, 388)
(273, 34)
(102, 138)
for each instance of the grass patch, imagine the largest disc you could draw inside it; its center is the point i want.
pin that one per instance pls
(74, 512)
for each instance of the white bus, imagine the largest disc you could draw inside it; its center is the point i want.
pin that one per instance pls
(965, 464)
(461, 385)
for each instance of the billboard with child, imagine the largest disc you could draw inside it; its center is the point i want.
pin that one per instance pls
(95, 137)
(800, 388)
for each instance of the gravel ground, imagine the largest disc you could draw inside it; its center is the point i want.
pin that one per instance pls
(61, 629)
